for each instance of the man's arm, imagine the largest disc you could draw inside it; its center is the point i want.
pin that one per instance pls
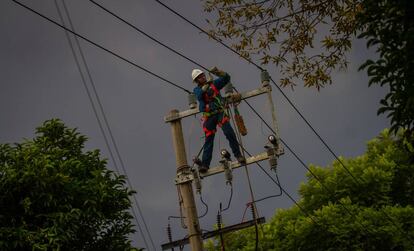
(220, 82)
(199, 94)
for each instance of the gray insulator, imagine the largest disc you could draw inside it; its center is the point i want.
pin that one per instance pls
(273, 162)
(270, 150)
(227, 171)
(197, 181)
(192, 100)
(264, 76)
(228, 88)
(271, 153)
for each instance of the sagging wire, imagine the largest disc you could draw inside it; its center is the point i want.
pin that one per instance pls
(254, 209)
(272, 196)
(205, 206)
(230, 199)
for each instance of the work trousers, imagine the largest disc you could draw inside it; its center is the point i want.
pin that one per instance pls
(209, 126)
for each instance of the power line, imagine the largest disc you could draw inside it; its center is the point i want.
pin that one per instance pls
(284, 95)
(209, 35)
(102, 48)
(273, 82)
(104, 117)
(144, 33)
(133, 63)
(180, 54)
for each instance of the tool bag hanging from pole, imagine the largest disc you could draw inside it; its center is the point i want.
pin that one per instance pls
(239, 121)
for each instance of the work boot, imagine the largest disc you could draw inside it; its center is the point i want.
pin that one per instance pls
(241, 159)
(203, 169)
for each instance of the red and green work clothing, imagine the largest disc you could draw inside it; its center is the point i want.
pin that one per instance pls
(211, 104)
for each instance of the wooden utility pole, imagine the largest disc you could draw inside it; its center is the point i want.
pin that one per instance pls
(186, 188)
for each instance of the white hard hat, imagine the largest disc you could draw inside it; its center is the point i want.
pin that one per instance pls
(195, 73)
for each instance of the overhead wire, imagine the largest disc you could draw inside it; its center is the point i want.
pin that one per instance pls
(254, 209)
(180, 54)
(273, 82)
(107, 50)
(103, 48)
(229, 201)
(196, 63)
(92, 82)
(155, 40)
(152, 38)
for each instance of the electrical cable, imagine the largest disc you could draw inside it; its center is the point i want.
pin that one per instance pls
(201, 216)
(126, 59)
(205, 32)
(262, 69)
(272, 196)
(102, 111)
(306, 167)
(144, 33)
(254, 209)
(102, 48)
(205, 205)
(230, 199)
(180, 54)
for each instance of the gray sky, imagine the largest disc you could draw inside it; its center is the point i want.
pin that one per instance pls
(40, 80)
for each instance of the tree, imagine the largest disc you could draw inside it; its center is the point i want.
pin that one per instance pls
(307, 39)
(56, 196)
(389, 26)
(374, 213)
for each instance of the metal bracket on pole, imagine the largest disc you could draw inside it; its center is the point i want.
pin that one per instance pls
(183, 177)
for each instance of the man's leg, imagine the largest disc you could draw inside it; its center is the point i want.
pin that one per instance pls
(209, 128)
(231, 137)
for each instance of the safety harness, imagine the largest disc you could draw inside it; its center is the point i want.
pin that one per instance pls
(220, 108)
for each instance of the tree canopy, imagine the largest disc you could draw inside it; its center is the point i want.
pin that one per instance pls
(56, 196)
(307, 39)
(374, 213)
(388, 26)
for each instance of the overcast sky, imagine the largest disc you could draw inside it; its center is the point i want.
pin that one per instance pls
(40, 81)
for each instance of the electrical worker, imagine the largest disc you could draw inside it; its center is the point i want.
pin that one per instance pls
(211, 104)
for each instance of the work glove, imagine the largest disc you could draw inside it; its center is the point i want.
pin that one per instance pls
(216, 71)
(205, 87)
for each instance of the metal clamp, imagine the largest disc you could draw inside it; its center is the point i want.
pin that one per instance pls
(183, 177)
(197, 179)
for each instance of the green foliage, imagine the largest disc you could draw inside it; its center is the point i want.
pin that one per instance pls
(55, 196)
(388, 26)
(375, 213)
(289, 34)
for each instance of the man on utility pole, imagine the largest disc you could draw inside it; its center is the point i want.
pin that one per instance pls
(214, 110)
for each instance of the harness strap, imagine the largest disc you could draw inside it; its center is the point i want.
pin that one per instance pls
(208, 132)
(224, 120)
